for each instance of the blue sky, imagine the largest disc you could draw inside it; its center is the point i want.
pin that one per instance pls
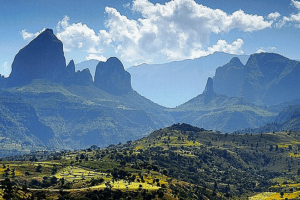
(141, 31)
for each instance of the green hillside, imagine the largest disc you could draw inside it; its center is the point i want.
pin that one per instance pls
(178, 162)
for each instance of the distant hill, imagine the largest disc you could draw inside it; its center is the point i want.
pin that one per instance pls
(177, 162)
(221, 112)
(266, 79)
(287, 120)
(174, 83)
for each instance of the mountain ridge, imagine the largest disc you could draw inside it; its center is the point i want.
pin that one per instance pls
(266, 79)
(174, 83)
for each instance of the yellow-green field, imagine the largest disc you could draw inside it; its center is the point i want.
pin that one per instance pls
(124, 185)
(276, 196)
(262, 196)
(71, 173)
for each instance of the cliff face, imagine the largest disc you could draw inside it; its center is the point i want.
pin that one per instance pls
(42, 58)
(111, 77)
(267, 79)
(229, 78)
(48, 103)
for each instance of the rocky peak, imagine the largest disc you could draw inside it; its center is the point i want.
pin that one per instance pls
(42, 58)
(71, 67)
(209, 88)
(229, 78)
(112, 77)
(235, 62)
(209, 93)
(83, 77)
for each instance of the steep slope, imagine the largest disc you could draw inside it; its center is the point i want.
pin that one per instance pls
(41, 58)
(20, 127)
(90, 64)
(287, 120)
(220, 112)
(172, 84)
(229, 78)
(267, 78)
(79, 111)
(111, 77)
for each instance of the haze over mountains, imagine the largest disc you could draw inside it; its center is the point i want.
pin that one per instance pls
(172, 84)
(48, 104)
(76, 111)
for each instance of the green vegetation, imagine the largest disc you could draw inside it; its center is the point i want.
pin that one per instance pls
(179, 162)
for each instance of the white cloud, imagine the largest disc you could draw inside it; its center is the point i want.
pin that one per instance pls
(176, 30)
(293, 19)
(223, 46)
(296, 4)
(29, 36)
(268, 49)
(274, 16)
(76, 35)
(96, 57)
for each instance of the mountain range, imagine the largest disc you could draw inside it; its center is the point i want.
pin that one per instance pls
(266, 79)
(46, 103)
(65, 109)
(174, 83)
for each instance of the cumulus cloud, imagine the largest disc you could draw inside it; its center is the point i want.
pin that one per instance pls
(263, 49)
(96, 57)
(77, 36)
(274, 16)
(296, 4)
(176, 30)
(29, 36)
(293, 19)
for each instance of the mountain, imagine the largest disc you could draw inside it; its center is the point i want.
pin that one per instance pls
(21, 129)
(42, 58)
(90, 64)
(221, 112)
(229, 78)
(68, 109)
(111, 77)
(174, 83)
(267, 79)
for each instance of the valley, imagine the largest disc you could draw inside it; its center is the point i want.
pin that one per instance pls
(67, 134)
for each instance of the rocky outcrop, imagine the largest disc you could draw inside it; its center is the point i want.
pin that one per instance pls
(111, 77)
(209, 93)
(267, 78)
(71, 67)
(42, 58)
(83, 77)
(229, 78)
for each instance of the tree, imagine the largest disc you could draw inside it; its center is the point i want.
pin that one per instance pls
(7, 186)
(39, 168)
(53, 180)
(216, 186)
(54, 169)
